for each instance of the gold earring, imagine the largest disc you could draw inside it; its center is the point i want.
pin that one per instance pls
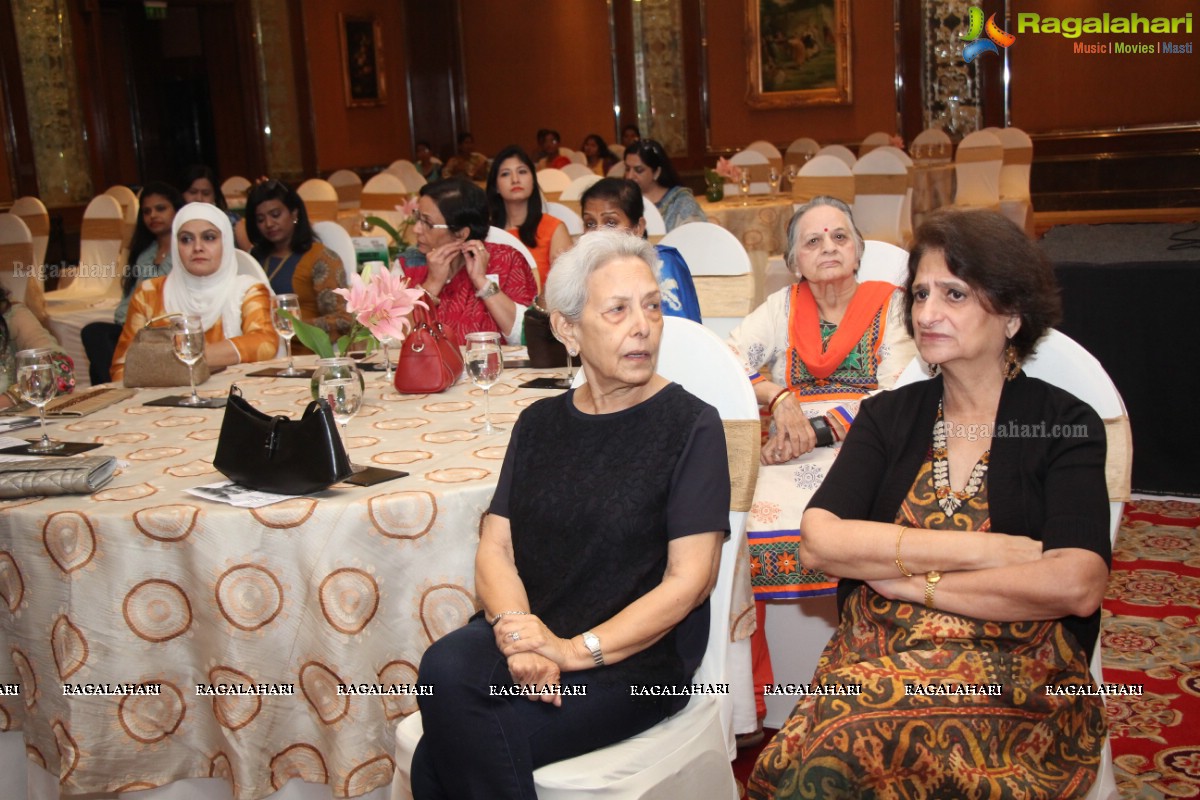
(1012, 364)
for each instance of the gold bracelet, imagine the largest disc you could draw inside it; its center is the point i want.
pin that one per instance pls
(775, 401)
(899, 563)
(931, 581)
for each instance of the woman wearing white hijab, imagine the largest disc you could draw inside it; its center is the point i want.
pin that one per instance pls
(235, 309)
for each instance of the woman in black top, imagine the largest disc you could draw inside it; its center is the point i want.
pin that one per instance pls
(598, 554)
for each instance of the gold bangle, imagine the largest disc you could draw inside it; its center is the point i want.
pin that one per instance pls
(775, 401)
(899, 563)
(931, 581)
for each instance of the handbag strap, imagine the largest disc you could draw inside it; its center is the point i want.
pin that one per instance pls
(150, 322)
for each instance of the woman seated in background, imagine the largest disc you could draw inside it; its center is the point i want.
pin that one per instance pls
(150, 249)
(466, 163)
(966, 556)
(474, 285)
(294, 259)
(630, 135)
(615, 204)
(549, 156)
(201, 186)
(515, 203)
(826, 337)
(647, 165)
(599, 158)
(235, 309)
(606, 591)
(429, 165)
(21, 330)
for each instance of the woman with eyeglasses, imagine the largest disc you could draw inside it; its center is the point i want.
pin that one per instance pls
(474, 285)
(294, 259)
(515, 202)
(647, 165)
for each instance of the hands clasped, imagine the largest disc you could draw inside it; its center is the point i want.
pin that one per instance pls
(535, 655)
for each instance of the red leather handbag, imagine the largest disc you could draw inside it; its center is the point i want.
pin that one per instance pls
(430, 361)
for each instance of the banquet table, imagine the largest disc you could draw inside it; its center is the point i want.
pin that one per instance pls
(758, 221)
(141, 583)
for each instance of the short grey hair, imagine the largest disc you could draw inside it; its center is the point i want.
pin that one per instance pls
(789, 256)
(566, 288)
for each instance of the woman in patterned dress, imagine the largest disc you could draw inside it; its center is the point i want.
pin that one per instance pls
(967, 517)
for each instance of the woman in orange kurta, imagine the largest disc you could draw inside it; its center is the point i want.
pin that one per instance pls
(515, 203)
(235, 309)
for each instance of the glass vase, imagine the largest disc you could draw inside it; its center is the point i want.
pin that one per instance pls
(328, 368)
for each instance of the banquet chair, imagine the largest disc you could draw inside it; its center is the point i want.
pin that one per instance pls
(33, 213)
(977, 164)
(381, 196)
(881, 184)
(572, 220)
(721, 271)
(656, 226)
(839, 151)
(552, 182)
(800, 151)
(576, 156)
(320, 200)
(349, 189)
(407, 172)
(18, 269)
(688, 754)
(906, 220)
(932, 144)
(248, 265)
(576, 171)
(618, 170)
(99, 273)
(337, 239)
(577, 187)
(1063, 362)
(758, 165)
(883, 261)
(617, 150)
(130, 209)
(774, 157)
(1015, 201)
(236, 188)
(824, 175)
(872, 141)
(501, 236)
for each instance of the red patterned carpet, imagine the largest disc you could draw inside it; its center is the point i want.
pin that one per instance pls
(1151, 636)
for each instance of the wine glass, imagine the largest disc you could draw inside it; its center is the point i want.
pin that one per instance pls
(744, 184)
(773, 179)
(283, 326)
(390, 375)
(485, 362)
(189, 348)
(38, 384)
(792, 171)
(340, 384)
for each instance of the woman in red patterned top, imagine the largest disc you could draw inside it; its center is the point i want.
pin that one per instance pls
(474, 285)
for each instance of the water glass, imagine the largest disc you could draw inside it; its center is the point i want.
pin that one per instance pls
(744, 184)
(37, 384)
(485, 362)
(773, 180)
(188, 334)
(339, 382)
(283, 326)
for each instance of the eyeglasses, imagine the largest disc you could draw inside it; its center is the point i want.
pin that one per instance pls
(428, 223)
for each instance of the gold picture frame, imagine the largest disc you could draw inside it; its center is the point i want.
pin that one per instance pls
(363, 75)
(798, 53)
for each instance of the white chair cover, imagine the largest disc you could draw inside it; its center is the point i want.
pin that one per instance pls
(774, 157)
(320, 200)
(130, 209)
(977, 164)
(839, 151)
(617, 150)
(349, 189)
(576, 156)
(758, 165)
(1015, 200)
(576, 171)
(617, 171)
(578, 186)
(721, 270)
(800, 151)
(906, 220)
(872, 141)
(336, 238)
(686, 755)
(824, 175)
(881, 184)
(1063, 362)
(18, 273)
(407, 172)
(552, 182)
(235, 188)
(33, 213)
(933, 145)
(99, 272)
(883, 261)
(380, 197)
(573, 221)
(501, 236)
(656, 226)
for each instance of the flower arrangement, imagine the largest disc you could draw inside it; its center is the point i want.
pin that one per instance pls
(380, 303)
(715, 178)
(408, 210)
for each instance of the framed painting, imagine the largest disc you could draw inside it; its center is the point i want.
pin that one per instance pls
(362, 60)
(798, 53)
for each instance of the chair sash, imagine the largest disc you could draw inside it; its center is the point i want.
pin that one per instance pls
(725, 295)
(102, 228)
(881, 184)
(971, 155)
(1118, 462)
(806, 187)
(1018, 155)
(321, 210)
(38, 224)
(742, 442)
(372, 201)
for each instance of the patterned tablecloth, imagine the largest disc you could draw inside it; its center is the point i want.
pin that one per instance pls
(142, 583)
(759, 222)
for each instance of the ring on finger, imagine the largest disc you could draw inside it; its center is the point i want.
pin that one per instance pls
(515, 635)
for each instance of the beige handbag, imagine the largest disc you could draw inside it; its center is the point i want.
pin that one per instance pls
(150, 359)
(51, 476)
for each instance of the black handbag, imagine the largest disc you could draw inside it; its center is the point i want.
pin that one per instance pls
(277, 454)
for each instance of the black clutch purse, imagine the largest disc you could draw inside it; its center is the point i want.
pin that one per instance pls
(277, 454)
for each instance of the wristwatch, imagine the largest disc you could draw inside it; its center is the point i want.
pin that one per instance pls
(492, 288)
(931, 581)
(592, 642)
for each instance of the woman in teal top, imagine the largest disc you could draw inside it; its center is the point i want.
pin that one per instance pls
(647, 165)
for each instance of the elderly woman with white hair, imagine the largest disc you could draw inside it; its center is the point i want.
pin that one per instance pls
(235, 309)
(596, 558)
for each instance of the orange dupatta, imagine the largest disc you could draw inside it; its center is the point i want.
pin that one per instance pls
(804, 325)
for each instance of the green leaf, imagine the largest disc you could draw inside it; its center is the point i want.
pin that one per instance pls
(378, 222)
(311, 336)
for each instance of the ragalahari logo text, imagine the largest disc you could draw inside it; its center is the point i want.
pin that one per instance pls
(995, 36)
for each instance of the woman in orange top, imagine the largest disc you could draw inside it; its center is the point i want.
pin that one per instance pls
(235, 309)
(515, 203)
